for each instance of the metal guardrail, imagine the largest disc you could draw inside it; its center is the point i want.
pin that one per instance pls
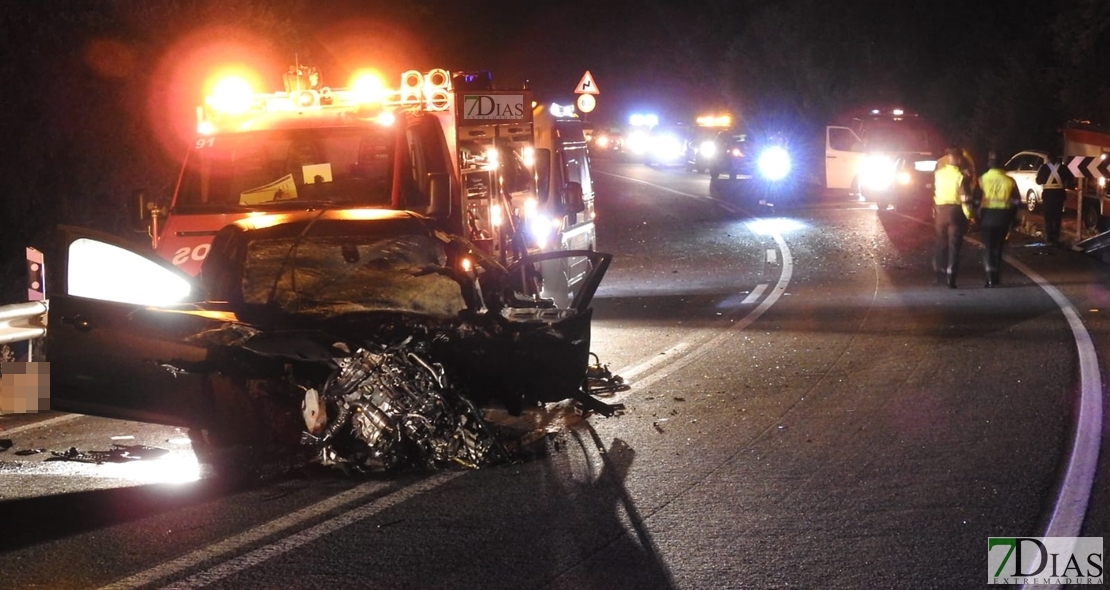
(23, 321)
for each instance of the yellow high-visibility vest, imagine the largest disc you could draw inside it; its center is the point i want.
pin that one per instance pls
(947, 180)
(998, 189)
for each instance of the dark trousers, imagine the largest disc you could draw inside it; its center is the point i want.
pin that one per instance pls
(1053, 213)
(950, 225)
(994, 226)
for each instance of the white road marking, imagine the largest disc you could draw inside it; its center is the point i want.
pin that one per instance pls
(756, 293)
(664, 357)
(701, 349)
(285, 544)
(1074, 492)
(43, 424)
(1079, 477)
(772, 256)
(655, 367)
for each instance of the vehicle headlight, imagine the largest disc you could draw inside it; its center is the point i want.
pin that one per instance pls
(666, 147)
(774, 163)
(95, 268)
(637, 142)
(542, 228)
(708, 149)
(877, 172)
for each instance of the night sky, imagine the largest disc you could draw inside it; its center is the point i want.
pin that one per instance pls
(102, 93)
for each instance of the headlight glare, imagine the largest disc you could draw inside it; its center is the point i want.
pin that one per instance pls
(877, 172)
(774, 163)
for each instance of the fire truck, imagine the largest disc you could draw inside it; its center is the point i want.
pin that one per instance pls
(482, 162)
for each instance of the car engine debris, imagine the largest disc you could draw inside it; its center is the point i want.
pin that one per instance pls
(380, 410)
(600, 381)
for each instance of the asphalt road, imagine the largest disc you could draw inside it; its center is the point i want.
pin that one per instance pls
(808, 408)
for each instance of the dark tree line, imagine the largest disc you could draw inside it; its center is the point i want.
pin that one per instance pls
(86, 111)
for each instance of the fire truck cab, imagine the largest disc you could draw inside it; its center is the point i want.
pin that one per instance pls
(447, 146)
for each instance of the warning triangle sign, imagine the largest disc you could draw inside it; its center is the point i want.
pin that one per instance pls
(587, 85)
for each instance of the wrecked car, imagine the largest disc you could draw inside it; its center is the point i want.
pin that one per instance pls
(360, 337)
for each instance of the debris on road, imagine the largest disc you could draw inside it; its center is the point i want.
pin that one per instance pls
(117, 454)
(389, 409)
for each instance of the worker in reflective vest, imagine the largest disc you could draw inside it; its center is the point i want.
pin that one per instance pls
(1055, 178)
(952, 192)
(997, 213)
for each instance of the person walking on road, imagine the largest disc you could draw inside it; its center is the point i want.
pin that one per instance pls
(997, 213)
(952, 193)
(1054, 177)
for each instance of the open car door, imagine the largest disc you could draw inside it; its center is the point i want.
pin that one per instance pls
(117, 333)
(595, 263)
(843, 154)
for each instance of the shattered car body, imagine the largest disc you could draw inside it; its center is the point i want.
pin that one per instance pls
(363, 337)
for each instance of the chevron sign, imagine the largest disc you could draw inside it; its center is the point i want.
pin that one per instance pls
(1089, 166)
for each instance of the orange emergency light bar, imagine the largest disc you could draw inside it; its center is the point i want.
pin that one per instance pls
(714, 121)
(235, 106)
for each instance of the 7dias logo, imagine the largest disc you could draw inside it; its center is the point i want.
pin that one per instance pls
(1044, 560)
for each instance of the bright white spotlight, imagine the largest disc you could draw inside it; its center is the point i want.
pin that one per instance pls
(774, 163)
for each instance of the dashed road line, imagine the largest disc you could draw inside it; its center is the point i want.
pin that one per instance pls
(283, 545)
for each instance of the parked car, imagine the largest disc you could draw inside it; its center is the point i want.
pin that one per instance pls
(607, 143)
(666, 145)
(365, 337)
(1022, 167)
(732, 155)
(701, 148)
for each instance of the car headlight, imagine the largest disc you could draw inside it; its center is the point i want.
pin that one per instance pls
(774, 163)
(638, 142)
(666, 147)
(877, 172)
(708, 149)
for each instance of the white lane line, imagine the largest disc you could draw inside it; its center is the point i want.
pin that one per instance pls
(756, 293)
(274, 527)
(1079, 477)
(43, 424)
(662, 358)
(702, 349)
(1074, 493)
